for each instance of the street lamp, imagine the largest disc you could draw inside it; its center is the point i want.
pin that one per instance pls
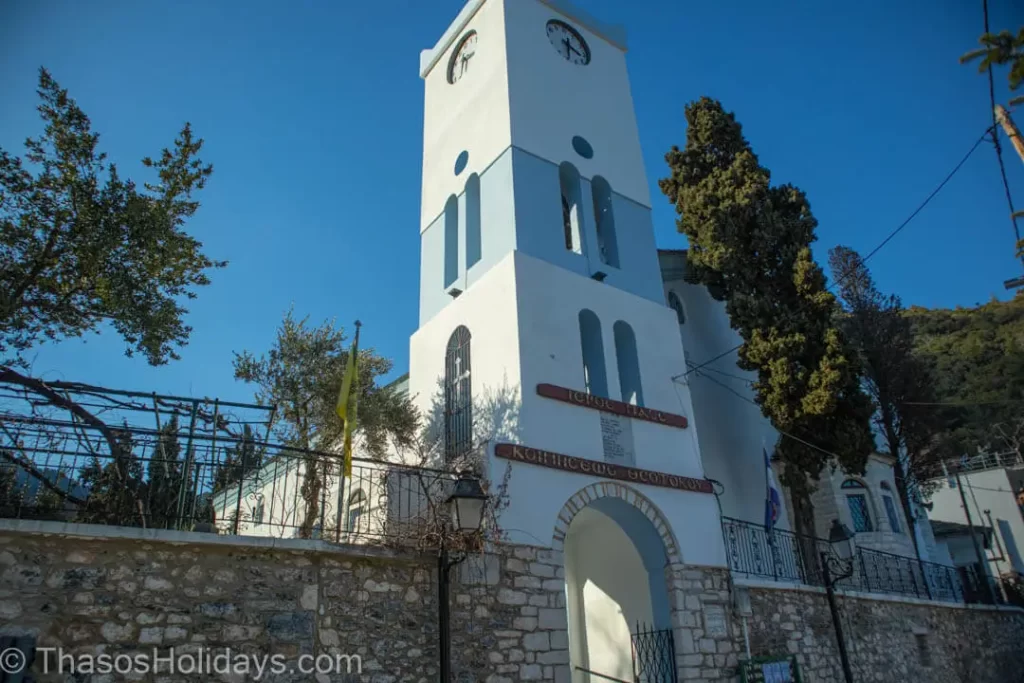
(836, 565)
(466, 513)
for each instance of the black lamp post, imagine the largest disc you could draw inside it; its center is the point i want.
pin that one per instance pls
(836, 565)
(466, 512)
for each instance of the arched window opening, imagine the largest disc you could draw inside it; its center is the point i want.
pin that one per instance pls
(890, 508)
(857, 501)
(458, 405)
(629, 363)
(356, 509)
(473, 235)
(451, 241)
(676, 305)
(572, 217)
(258, 510)
(594, 377)
(604, 219)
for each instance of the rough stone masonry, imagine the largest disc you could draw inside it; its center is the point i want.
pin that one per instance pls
(127, 597)
(128, 591)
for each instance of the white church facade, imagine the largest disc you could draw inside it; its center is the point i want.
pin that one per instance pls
(555, 340)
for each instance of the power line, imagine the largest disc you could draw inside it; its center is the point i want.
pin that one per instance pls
(963, 403)
(731, 376)
(995, 139)
(899, 228)
(753, 403)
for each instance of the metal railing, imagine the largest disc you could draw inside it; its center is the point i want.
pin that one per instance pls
(654, 655)
(152, 461)
(786, 556)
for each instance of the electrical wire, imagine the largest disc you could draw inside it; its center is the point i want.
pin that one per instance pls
(963, 403)
(888, 238)
(754, 403)
(995, 139)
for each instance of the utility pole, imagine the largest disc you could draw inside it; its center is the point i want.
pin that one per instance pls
(1010, 128)
(982, 575)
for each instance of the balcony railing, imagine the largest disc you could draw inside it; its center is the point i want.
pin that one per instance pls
(150, 461)
(786, 556)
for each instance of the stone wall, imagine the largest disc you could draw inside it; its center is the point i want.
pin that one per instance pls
(133, 591)
(888, 640)
(126, 597)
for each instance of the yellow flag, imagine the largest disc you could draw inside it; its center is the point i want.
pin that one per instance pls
(348, 400)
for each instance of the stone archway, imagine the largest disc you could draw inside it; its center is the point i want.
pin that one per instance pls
(617, 548)
(594, 492)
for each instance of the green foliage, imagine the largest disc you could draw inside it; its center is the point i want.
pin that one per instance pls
(1000, 49)
(894, 376)
(240, 459)
(81, 246)
(115, 487)
(749, 243)
(301, 375)
(147, 484)
(45, 504)
(977, 358)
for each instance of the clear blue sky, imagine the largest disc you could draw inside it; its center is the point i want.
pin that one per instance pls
(312, 115)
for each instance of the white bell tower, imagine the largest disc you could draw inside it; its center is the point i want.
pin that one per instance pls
(539, 278)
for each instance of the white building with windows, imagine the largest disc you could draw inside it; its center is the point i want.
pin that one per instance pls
(993, 488)
(554, 335)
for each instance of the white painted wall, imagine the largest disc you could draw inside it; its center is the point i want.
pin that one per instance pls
(549, 300)
(489, 311)
(986, 490)
(732, 430)
(471, 114)
(522, 310)
(277, 486)
(552, 100)
(608, 592)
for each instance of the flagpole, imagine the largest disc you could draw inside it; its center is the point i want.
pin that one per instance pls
(770, 530)
(341, 473)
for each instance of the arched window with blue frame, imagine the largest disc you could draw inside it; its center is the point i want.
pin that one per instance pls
(451, 241)
(628, 361)
(595, 379)
(474, 245)
(890, 508)
(572, 213)
(857, 502)
(604, 221)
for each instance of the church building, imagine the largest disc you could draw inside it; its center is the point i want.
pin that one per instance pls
(543, 296)
(558, 349)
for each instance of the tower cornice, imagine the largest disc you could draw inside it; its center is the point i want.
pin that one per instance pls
(613, 33)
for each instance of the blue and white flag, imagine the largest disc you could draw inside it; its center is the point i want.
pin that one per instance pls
(773, 501)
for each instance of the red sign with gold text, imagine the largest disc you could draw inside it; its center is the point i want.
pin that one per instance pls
(569, 463)
(582, 398)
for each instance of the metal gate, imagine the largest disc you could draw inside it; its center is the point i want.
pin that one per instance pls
(654, 655)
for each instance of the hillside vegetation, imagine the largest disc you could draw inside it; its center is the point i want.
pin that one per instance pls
(977, 356)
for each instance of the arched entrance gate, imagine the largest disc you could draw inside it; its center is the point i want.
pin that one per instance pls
(617, 548)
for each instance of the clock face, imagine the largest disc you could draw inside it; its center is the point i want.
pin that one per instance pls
(568, 42)
(464, 51)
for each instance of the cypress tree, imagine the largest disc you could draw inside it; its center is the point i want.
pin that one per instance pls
(750, 245)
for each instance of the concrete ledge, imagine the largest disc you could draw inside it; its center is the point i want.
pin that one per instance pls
(768, 584)
(101, 532)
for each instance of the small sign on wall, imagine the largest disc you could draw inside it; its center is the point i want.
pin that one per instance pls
(715, 625)
(617, 438)
(770, 670)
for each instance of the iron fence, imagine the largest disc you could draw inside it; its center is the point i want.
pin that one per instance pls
(654, 655)
(101, 456)
(786, 556)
